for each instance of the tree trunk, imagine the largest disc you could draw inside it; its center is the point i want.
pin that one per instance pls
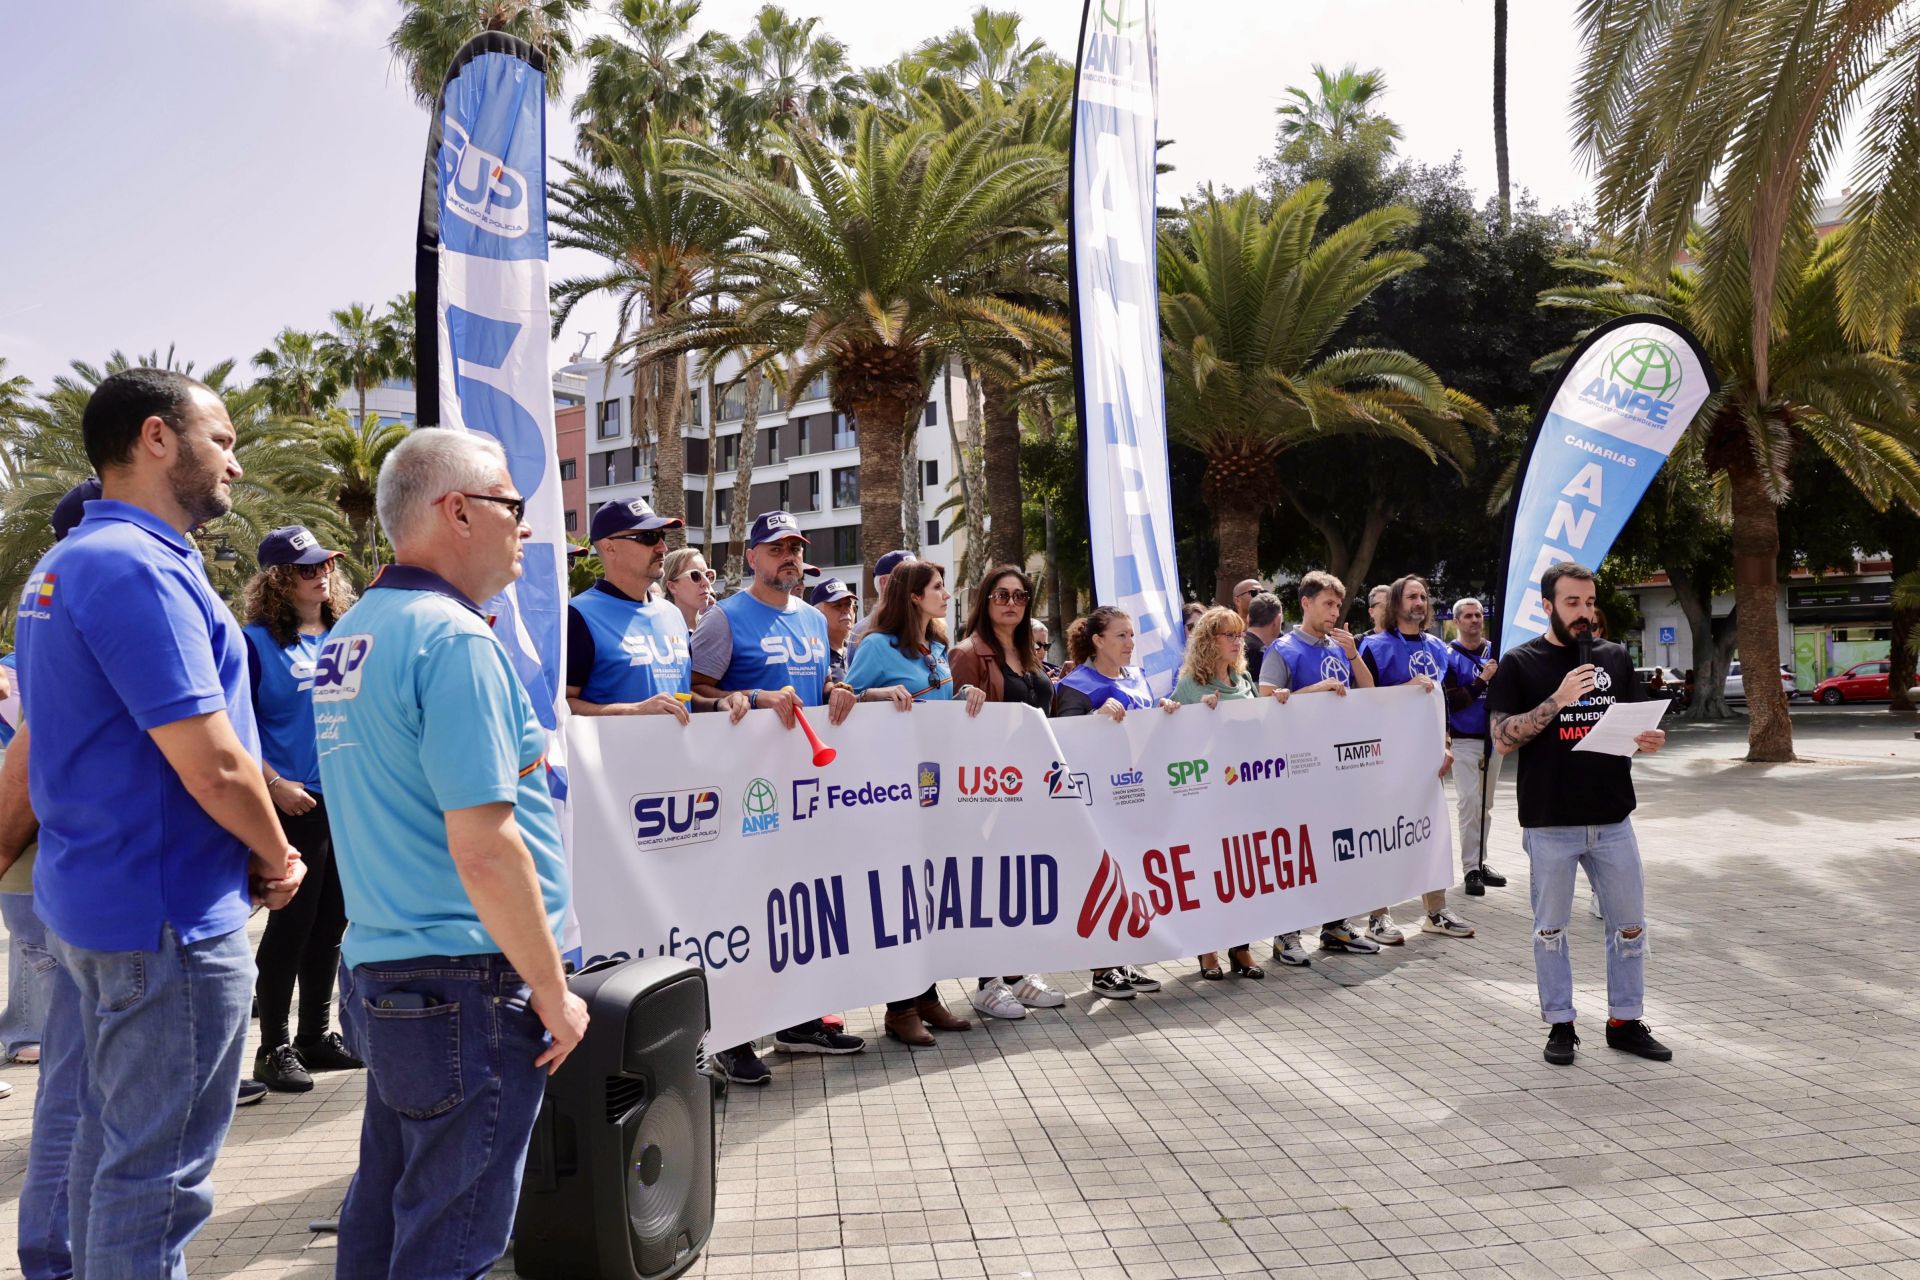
(1368, 546)
(878, 418)
(1500, 112)
(1236, 531)
(999, 436)
(670, 455)
(972, 505)
(1904, 549)
(713, 466)
(1756, 588)
(743, 480)
(910, 475)
(1696, 602)
(1056, 620)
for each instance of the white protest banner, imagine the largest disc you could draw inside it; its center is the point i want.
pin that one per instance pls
(938, 846)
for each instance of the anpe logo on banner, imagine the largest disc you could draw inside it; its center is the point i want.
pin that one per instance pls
(929, 783)
(662, 819)
(983, 784)
(1062, 784)
(342, 663)
(479, 187)
(1638, 378)
(760, 808)
(1406, 832)
(1357, 755)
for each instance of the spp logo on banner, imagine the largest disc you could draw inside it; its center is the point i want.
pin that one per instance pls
(1406, 832)
(663, 819)
(759, 809)
(342, 664)
(1257, 770)
(1063, 784)
(928, 783)
(1357, 755)
(479, 187)
(988, 784)
(1639, 377)
(1187, 776)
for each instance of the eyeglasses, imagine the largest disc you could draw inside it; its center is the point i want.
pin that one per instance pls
(1004, 596)
(699, 575)
(308, 572)
(1039, 646)
(645, 537)
(516, 507)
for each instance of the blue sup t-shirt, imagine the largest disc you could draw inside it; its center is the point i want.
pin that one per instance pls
(283, 702)
(744, 644)
(624, 650)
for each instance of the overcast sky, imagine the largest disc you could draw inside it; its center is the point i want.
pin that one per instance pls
(204, 172)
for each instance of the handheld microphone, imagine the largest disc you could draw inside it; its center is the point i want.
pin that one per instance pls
(1583, 646)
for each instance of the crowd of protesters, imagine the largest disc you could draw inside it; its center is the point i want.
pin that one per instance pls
(372, 772)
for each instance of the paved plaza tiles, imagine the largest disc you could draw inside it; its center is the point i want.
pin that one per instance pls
(1371, 1116)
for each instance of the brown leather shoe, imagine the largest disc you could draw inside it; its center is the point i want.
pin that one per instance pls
(907, 1028)
(939, 1017)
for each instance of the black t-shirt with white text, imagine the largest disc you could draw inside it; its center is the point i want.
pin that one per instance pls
(1559, 788)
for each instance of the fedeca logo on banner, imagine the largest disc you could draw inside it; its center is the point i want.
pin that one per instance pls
(1639, 377)
(760, 808)
(480, 187)
(662, 819)
(808, 795)
(1406, 832)
(1357, 755)
(988, 784)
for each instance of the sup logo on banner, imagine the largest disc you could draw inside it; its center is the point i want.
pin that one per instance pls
(481, 188)
(663, 819)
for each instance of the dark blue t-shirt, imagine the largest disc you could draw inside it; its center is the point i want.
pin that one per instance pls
(1397, 659)
(119, 633)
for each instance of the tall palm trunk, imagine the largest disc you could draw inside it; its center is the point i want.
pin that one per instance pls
(670, 455)
(1756, 556)
(878, 385)
(1500, 112)
(743, 480)
(972, 502)
(1236, 498)
(1000, 443)
(713, 465)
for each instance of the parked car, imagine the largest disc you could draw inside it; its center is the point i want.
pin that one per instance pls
(1662, 682)
(1861, 682)
(1737, 685)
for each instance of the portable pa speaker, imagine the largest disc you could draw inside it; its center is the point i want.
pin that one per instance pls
(620, 1173)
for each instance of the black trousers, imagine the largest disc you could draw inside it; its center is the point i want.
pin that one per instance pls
(302, 941)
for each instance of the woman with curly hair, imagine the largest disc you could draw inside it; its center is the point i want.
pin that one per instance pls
(291, 603)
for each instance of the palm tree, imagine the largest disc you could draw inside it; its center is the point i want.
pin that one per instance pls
(1741, 105)
(1248, 305)
(650, 79)
(987, 52)
(876, 253)
(295, 374)
(362, 351)
(1339, 111)
(430, 32)
(399, 321)
(1824, 390)
(781, 75)
(353, 452)
(1500, 112)
(659, 237)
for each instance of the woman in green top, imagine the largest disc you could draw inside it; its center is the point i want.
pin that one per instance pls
(1214, 669)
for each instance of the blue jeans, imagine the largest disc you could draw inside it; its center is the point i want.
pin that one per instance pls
(452, 1094)
(1612, 859)
(163, 1033)
(29, 974)
(44, 1251)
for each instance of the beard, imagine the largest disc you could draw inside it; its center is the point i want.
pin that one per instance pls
(786, 580)
(1567, 633)
(197, 489)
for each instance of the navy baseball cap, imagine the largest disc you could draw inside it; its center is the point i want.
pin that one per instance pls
(828, 591)
(292, 544)
(772, 526)
(72, 506)
(887, 563)
(634, 513)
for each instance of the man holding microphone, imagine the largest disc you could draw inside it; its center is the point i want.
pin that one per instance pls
(1575, 807)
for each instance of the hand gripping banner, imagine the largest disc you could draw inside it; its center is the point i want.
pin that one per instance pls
(1623, 400)
(1116, 331)
(937, 845)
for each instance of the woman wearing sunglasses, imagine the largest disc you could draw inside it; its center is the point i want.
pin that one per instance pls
(689, 584)
(997, 654)
(291, 603)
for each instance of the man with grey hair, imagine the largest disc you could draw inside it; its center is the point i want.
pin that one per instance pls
(1265, 621)
(1475, 769)
(433, 764)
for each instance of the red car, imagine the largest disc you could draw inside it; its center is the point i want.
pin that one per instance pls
(1861, 682)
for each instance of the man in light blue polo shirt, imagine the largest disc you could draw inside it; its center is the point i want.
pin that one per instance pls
(135, 687)
(434, 766)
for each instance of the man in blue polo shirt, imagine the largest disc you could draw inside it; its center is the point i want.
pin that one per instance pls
(628, 654)
(1475, 769)
(433, 764)
(1403, 653)
(134, 679)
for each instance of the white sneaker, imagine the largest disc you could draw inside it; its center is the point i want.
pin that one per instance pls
(997, 1000)
(1287, 950)
(5, 1089)
(1033, 992)
(1384, 931)
(1445, 922)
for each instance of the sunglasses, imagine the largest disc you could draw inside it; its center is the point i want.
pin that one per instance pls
(1039, 646)
(1004, 596)
(516, 507)
(699, 575)
(645, 537)
(308, 572)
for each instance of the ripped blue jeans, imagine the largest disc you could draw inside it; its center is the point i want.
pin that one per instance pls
(1612, 859)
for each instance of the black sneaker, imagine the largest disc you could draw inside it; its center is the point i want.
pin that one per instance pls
(1560, 1043)
(1112, 984)
(251, 1091)
(328, 1053)
(1493, 879)
(279, 1069)
(1140, 980)
(1636, 1037)
(743, 1066)
(1476, 884)
(816, 1037)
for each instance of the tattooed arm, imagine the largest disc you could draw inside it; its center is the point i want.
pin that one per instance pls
(1512, 732)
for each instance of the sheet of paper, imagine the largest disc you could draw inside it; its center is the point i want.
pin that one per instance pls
(1614, 732)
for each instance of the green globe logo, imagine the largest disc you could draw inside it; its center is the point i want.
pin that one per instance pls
(760, 797)
(1648, 365)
